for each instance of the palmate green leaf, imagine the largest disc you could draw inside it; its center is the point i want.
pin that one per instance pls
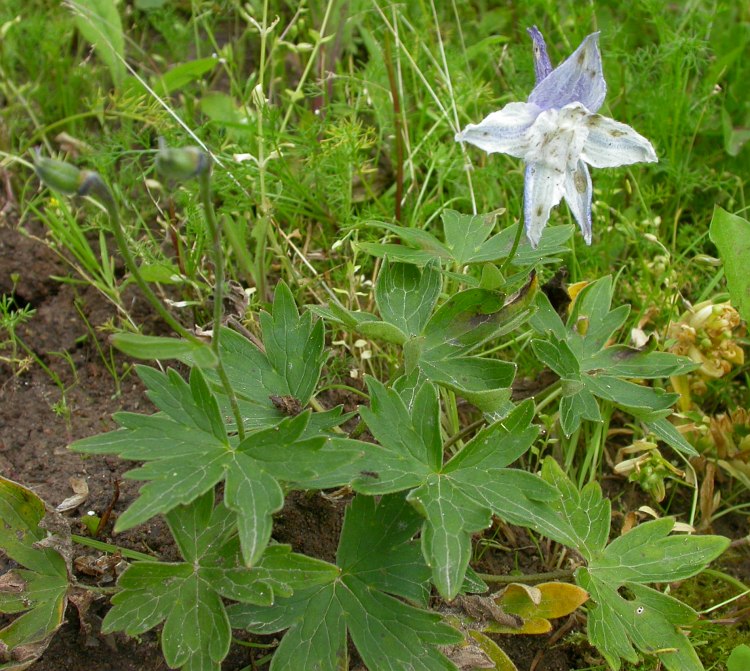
(465, 234)
(406, 295)
(584, 516)
(648, 621)
(37, 593)
(289, 367)
(472, 317)
(187, 451)
(186, 596)
(731, 235)
(459, 497)
(378, 558)
(466, 242)
(577, 351)
(648, 553)
(484, 382)
(294, 344)
(624, 614)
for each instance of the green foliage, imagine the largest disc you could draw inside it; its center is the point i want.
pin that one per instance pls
(467, 241)
(739, 659)
(731, 234)
(378, 560)
(578, 351)
(626, 615)
(99, 23)
(187, 596)
(188, 449)
(310, 171)
(37, 593)
(441, 344)
(456, 498)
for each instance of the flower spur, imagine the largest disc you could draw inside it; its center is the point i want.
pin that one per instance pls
(558, 133)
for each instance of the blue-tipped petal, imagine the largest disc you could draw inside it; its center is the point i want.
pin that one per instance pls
(542, 63)
(578, 79)
(543, 188)
(611, 143)
(503, 131)
(578, 192)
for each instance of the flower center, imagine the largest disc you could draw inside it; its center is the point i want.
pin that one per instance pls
(557, 136)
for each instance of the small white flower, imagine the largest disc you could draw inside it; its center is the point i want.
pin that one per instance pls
(558, 134)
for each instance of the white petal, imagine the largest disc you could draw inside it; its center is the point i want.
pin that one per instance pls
(543, 188)
(611, 143)
(557, 137)
(578, 193)
(502, 131)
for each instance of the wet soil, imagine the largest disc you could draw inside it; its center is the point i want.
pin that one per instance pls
(39, 418)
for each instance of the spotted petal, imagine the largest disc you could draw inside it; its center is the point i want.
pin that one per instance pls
(503, 131)
(543, 189)
(542, 63)
(578, 192)
(611, 143)
(578, 79)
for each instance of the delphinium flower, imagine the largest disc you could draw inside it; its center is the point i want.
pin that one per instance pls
(558, 133)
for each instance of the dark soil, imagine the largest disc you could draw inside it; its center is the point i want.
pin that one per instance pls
(35, 430)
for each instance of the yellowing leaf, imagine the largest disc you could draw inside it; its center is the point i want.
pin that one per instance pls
(548, 600)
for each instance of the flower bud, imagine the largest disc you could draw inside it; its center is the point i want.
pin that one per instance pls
(59, 175)
(71, 181)
(182, 163)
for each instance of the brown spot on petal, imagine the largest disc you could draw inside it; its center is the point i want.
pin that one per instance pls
(539, 211)
(581, 58)
(579, 179)
(616, 133)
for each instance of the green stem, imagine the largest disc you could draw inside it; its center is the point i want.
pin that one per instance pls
(107, 199)
(560, 574)
(112, 549)
(313, 56)
(215, 233)
(513, 249)
(264, 208)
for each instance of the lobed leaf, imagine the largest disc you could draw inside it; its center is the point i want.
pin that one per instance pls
(406, 295)
(37, 594)
(186, 596)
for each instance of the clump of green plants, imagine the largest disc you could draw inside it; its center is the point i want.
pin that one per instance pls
(456, 312)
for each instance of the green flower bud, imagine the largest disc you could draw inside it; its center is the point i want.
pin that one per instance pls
(181, 164)
(71, 181)
(59, 175)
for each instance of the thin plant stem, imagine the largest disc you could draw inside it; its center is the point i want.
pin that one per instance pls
(513, 249)
(113, 211)
(560, 574)
(215, 233)
(313, 56)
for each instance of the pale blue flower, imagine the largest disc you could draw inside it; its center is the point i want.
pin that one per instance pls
(557, 133)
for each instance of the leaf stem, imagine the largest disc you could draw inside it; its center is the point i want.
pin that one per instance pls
(513, 249)
(215, 233)
(559, 574)
(107, 199)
